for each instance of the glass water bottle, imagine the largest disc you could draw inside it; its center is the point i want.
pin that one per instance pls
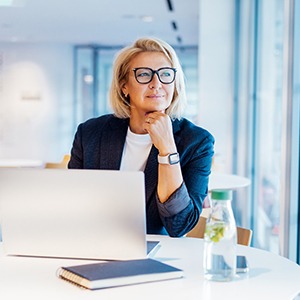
(220, 238)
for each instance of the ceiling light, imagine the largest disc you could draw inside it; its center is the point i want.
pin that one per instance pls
(88, 79)
(147, 19)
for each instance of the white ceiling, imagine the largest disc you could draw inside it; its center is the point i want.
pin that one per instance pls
(104, 22)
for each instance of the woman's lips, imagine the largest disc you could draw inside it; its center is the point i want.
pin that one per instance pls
(155, 96)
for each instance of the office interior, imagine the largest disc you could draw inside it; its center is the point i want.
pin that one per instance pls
(242, 66)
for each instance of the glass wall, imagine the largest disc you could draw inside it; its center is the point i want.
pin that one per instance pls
(294, 243)
(267, 121)
(84, 83)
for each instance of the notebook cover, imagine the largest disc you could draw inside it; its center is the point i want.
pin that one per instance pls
(116, 273)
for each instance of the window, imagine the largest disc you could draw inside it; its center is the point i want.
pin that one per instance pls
(263, 139)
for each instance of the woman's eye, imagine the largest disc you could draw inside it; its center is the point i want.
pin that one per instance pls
(144, 74)
(165, 74)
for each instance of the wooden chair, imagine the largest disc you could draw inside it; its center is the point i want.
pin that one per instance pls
(244, 235)
(61, 165)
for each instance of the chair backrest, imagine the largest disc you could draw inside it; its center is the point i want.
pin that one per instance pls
(244, 235)
(60, 165)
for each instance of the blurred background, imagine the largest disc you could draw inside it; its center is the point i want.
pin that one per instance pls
(243, 83)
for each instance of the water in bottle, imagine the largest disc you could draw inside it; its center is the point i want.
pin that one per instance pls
(220, 239)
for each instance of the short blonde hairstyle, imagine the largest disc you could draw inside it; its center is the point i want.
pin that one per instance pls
(118, 100)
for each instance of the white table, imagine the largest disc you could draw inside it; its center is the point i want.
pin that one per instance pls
(222, 181)
(270, 277)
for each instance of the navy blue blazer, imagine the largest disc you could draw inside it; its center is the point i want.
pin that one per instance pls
(99, 142)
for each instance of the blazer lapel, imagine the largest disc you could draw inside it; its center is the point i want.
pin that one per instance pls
(112, 143)
(151, 173)
(176, 130)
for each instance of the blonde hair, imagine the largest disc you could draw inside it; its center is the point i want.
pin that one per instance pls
(119, 102)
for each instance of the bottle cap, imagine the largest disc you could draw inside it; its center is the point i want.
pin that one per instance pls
(221, 195)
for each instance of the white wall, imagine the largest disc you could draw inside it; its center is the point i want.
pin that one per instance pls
(36, 97)
(216, 42)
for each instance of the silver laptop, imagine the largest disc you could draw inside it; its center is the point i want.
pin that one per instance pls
(91, 214)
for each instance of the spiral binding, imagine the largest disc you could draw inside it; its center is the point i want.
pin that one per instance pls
(72, 278)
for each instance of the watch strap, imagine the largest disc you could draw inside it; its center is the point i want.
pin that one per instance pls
(170, 159)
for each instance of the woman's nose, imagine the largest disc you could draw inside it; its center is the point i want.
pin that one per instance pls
(155, 83)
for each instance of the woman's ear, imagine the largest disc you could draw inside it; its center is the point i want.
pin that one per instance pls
(124, 89)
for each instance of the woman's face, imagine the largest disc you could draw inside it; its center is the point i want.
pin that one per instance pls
(152, 96)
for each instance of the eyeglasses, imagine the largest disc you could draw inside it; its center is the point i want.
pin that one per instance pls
(145, 75)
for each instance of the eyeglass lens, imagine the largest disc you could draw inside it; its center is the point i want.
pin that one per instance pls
(145, 75)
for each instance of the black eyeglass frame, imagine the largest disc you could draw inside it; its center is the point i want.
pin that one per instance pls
(154, 72)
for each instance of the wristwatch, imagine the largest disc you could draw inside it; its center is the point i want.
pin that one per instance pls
(170, 159)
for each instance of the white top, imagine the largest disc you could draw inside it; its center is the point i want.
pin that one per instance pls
(136, 151)
(270, 277)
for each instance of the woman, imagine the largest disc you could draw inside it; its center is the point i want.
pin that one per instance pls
(146, 132)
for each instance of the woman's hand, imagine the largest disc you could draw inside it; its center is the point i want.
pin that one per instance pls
(159, 127)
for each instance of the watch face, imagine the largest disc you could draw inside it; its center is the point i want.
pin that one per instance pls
(173, 158)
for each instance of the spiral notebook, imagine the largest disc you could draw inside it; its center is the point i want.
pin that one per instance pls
(118, 273)
(90, 214)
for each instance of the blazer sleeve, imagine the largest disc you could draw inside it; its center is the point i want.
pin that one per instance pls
(180, 213)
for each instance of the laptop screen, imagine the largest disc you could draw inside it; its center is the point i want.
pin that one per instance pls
(94, 214)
